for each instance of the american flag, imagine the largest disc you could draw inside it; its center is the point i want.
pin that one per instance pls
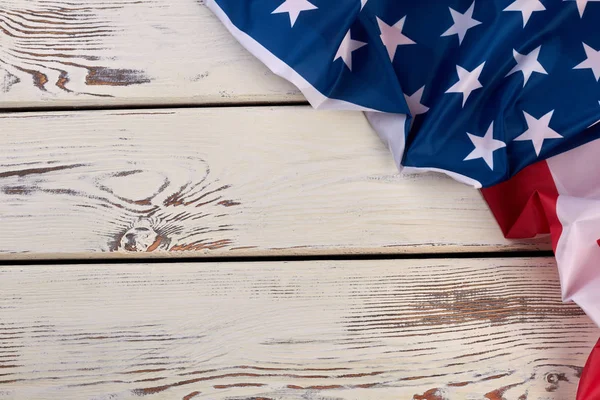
(503, 95)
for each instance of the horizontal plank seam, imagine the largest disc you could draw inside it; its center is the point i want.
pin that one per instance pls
(157, 106)
(244, 259)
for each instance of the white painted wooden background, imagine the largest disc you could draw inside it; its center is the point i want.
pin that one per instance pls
(114, 52)
(224, 181)
(262, 178)
(410, 329)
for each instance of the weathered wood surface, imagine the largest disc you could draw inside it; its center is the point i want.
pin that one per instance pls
(114, 52)
(381, 330)
(233, 181)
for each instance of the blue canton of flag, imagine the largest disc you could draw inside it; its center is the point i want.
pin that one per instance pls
(475, 89)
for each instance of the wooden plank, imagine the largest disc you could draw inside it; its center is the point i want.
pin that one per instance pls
(232, 181)
(115, 52)
(435, 330)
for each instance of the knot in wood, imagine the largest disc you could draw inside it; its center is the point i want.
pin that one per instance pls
(552, 378)
(140, 237)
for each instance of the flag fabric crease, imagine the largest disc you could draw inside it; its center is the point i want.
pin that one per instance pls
(502, 95)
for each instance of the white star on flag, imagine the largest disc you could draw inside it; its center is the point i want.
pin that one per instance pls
(526, 8)
(346, 48)
(294, 8)
(467, 82)
(363, 3)
(414, 103)
(581, 4)
(392, 36)
(462, 23)
(592, 62)
(485, 147)
(538, 130)
(527, 64)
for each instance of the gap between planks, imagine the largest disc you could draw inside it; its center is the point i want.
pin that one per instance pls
(106, 259)
(49, 108)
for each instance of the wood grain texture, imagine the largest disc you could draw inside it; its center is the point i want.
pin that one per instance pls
(364, 330)
(115, 52)
(233, 181)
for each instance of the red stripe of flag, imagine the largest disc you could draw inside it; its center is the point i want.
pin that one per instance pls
(525, 205)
